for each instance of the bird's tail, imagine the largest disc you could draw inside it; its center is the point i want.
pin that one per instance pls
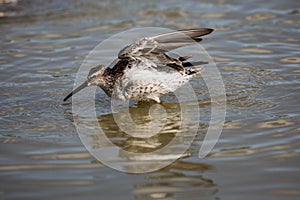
(194, 67)
(193, 63)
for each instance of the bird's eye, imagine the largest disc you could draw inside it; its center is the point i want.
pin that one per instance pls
(93, 76)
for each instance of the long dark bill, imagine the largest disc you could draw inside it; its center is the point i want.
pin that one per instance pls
(83, 85)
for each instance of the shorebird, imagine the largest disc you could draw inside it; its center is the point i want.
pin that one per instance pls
(144, 70)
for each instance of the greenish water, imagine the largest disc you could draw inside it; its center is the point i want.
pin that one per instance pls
(256, 48)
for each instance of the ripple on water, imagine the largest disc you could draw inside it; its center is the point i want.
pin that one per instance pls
(260, 16)
(255, 49)
(290, 60)
(169, 13)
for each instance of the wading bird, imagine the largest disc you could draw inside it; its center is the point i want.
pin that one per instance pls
(144, 71)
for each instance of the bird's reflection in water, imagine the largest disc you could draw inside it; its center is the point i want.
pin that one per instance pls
(140, 116)
(181, 180)
(120, 150)
(175, 180)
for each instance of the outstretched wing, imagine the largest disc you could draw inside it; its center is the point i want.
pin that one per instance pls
(155, 48)
(163, 43)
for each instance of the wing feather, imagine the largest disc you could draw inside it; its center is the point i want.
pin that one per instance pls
(155, 48)
(164, 42)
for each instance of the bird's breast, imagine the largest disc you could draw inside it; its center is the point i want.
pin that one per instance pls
(146, 81)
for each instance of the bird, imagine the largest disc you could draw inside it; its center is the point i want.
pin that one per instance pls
(146, 69)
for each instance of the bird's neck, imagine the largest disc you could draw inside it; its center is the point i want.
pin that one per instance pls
(112, 75)
(109, 81)
(108, 86)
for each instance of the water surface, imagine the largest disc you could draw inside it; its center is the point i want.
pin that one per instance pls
(256, 48)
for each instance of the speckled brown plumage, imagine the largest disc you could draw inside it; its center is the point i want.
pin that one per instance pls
(144, 70)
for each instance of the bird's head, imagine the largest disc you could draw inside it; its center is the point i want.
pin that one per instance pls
(95, 77)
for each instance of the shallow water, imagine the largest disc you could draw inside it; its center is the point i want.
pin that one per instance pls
(256, 48)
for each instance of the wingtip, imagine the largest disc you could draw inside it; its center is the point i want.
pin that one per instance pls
(197, 33)
(210, 30)
(206, 31)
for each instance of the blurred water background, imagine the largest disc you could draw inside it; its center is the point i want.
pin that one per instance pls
(256, 48)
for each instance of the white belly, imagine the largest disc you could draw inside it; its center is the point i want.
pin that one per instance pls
(147, 81)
